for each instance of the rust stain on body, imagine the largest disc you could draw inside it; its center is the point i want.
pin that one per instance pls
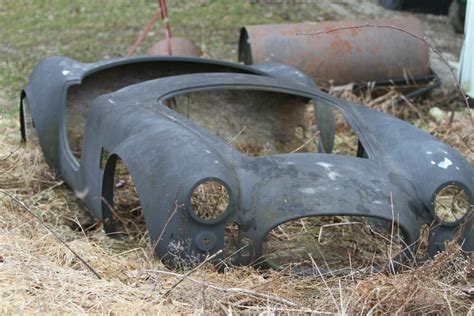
(342, 47)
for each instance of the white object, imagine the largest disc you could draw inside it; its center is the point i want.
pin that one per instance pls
(466, 73)
(437, 114)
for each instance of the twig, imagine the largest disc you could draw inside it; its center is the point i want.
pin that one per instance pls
(237, 135)
(116, 215)
(163, 12)
(166, 22)
(54, 186)
(423, 39)
(391, 233)
(410, 105)
(371, 311)
(231, 289)
(10, 154)
(335, 224)
(287, 310)
(341, 301)
(26, 208)
(305, 143)
(325, 283)
(464, 142)
(453, 111)
(175, 209)
(231, 255)
(448, 302)
(187, 274)
(413, 293)
(7, 171)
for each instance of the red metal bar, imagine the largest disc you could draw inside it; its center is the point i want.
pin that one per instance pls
(146, 30)
(164, 16)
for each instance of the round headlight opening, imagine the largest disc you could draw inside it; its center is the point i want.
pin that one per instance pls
(209, 200)
(451, 203)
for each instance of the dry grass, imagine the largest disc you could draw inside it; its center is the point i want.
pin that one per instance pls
(331, 242)
(38, 274)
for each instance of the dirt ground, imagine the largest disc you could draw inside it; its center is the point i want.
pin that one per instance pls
(38, 274)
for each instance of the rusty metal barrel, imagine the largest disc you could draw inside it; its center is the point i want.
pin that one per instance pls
(343, 51)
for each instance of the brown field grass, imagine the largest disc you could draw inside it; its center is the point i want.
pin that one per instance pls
(39, 274)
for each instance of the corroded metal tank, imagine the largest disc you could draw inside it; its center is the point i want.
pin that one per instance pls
(342, 51)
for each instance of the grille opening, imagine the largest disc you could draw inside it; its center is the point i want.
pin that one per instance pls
(333, 242)
(126, 214)
(210, 200)
(451, 204)
(79, 97)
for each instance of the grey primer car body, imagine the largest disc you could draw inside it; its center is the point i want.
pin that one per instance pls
(168, 155)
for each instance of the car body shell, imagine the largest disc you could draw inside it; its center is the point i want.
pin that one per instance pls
(168, 155)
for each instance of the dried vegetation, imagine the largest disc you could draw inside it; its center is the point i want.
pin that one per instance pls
(38, 274)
